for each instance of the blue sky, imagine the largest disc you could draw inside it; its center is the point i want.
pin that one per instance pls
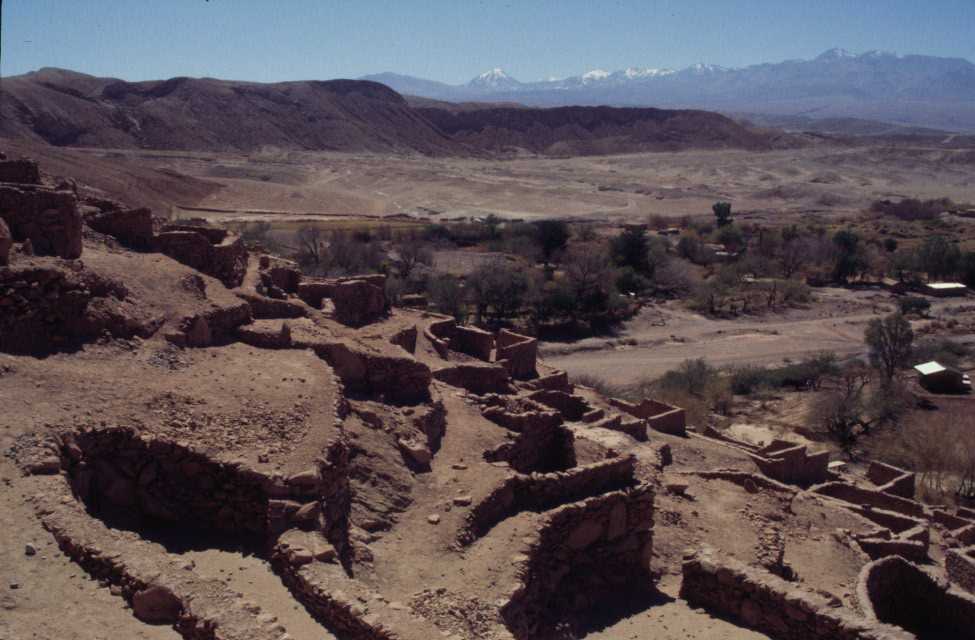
(453, 40)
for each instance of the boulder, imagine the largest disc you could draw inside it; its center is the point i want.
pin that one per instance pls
(156, 605)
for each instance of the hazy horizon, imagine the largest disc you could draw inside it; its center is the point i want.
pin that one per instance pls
(254, 41)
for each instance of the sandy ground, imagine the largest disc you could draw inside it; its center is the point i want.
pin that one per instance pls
(826, 179)
(662, 336)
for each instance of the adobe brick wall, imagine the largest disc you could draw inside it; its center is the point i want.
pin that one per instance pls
(542, 444)
(584, 553)
(22, 171)
(765, 602)
(792, 464)
(478, 378)
(897, 592)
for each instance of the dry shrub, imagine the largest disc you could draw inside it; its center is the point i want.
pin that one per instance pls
(938, 445)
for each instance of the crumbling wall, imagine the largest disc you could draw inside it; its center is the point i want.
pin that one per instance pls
(213, 251)
(47, 307)
(791, 463)
(858, 495)
(584, 553)
(541, 491)
(765, 602)
(572, 407)
(659, 416)
(21, 171)
(47, 217)
(476, 377)
(472, 341)
(960, 565)
(892, 480)
(131, 227)
(556, 381)
(541, 442)
(358, 301)
(518, 353)
(894, 591)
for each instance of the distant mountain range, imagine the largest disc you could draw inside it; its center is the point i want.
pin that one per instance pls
(915, 90)
(69, 109)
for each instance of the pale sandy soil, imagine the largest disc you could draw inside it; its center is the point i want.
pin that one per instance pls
(661, 337)
(827, 179)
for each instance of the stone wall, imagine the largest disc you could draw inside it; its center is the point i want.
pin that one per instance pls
(398, 378)
(472, 341)
(571, 407)
(858, 495)
(47, 217)
(891, 479)
(556, 381)
(960, 565)
(540, 442)
(47, 306)
(22, 171)
(518, 353)
(405, 339)
(583, 554)
(765, 602)
(476, 377)
(358, 301)
(131, 227)
(791, 463)
(542, 491)
(659, 416)
(894, 591)
(210, 250)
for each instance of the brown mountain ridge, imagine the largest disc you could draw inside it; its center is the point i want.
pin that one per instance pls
(66, 108)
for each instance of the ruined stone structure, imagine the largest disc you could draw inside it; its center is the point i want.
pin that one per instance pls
(518, 354)
(791, 463)
(894, 591)
(960, 565)
(892, 480)
(213, 251)
(767, 603)
(132, 227)
(584, 553)
(659, 416)
(48, 218)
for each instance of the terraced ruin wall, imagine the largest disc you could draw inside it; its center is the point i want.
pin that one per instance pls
(960, 565)
(540, 491)
(583, 554)
(897, 592)
(762, 601)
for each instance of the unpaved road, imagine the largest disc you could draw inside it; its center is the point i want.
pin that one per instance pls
(661, 337)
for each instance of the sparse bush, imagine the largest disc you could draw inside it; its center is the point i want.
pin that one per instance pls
(722, 213)
(912, 208)
(943, 350)
(889, 341)
(914, 304)
(447, 296)
(600, 385)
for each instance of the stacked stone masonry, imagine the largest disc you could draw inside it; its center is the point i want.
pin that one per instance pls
(765, 602)
(584, 553)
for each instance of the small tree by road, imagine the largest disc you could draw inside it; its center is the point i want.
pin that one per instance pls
(890, 340)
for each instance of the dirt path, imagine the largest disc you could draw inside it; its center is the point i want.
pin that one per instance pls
(661, 337)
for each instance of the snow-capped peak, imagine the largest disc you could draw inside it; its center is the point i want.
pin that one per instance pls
(496, 73)
(835, 54)
(701, 67)
(594, 75)
(496, 77)
(637, 72)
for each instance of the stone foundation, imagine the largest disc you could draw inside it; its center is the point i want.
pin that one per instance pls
(212, 251)
(542, 491)
(894, 591)
(791, 463)
(518, 354)
(765, 602)
(892, 480)
(47, 217)
(960, 565)
(659, 416)
(584, 554)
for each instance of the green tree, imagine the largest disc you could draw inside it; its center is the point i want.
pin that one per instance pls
(631, 248)
(499, 290)
(551, 237)
(890, 342)
(938, 257)
(722, 213)
(849, 259)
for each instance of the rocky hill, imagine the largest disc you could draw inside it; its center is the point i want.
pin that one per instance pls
(64, 108)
